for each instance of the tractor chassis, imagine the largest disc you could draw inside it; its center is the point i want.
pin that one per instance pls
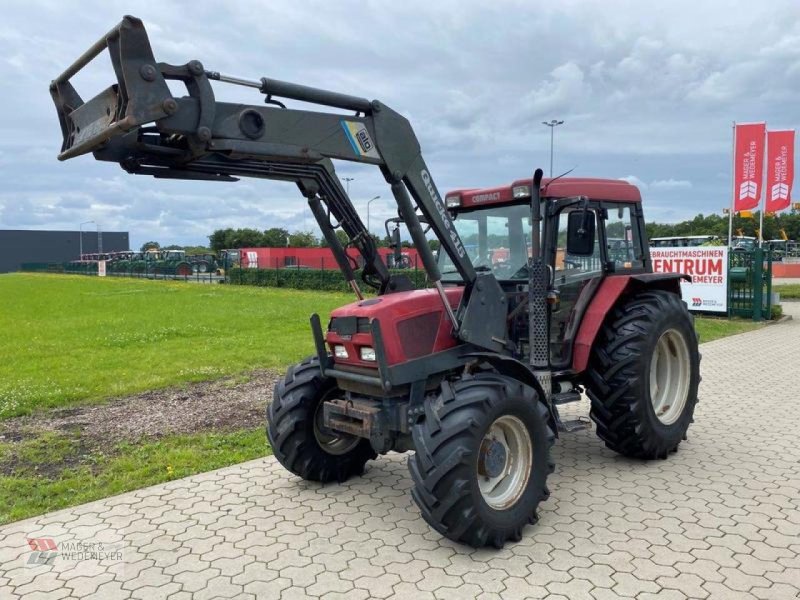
(382, 407)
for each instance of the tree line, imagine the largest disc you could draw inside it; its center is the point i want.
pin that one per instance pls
(278, 237)
(718, 225)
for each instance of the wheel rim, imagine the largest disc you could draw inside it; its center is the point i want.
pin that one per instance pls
(505, 461)
(331, 441)
(669, 376)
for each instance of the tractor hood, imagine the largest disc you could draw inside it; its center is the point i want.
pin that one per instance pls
(413, 324)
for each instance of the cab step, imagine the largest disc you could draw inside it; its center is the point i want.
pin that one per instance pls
(573, 425)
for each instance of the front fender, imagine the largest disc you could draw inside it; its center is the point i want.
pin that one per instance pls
(520, 372)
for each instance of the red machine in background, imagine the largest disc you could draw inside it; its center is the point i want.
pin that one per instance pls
(319, 258)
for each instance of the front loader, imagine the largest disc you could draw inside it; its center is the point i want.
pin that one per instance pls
(527, 307)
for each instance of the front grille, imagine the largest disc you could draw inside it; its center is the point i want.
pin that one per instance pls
(349, 325)
(418, 334)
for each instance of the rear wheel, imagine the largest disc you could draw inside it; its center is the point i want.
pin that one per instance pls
(643, 376)
(296, 431)
(183, 269)
(482, 460)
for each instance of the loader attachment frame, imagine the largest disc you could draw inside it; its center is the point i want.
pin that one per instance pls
(137, 123)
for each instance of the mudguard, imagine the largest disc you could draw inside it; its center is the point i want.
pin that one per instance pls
(611, 290)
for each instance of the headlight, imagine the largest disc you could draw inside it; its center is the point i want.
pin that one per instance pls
(368, 353)
(340, 351)
(521, 191)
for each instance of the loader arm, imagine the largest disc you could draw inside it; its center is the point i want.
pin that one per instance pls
(138, 123)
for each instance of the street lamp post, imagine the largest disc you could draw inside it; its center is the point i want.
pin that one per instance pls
(347, 181)
(552, 124)
(80, 238)
(368, 203)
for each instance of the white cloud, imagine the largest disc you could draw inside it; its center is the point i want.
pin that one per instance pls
(643, 88)
(634, 180)
(670, 184)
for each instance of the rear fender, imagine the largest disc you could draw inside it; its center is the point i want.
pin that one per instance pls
(610, 292)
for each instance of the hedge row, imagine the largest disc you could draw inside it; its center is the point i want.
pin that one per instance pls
(309, 279)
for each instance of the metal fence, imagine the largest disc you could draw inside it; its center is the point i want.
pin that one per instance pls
(298, 276)
(139, 272)
(750, 284)
(749, 277)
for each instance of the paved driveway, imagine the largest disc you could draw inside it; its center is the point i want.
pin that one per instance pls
(720, 519)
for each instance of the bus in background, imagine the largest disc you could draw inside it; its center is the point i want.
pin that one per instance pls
(685, 241)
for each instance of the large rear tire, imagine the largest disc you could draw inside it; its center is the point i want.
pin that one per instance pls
(482, 460)
(643, 376)
(298, 437)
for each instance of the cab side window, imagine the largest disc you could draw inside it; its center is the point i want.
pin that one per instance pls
(570, 267)
(623, 247)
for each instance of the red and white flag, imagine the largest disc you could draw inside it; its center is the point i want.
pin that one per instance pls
(780, 169)
(748, 165)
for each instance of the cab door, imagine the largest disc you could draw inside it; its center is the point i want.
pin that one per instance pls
(575, 279)
(619, 249)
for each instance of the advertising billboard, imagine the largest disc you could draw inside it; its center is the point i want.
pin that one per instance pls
(708, 268)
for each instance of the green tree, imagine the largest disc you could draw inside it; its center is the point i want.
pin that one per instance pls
(221, 239)
(275, 237)
(342, 237)
(246, 238)
(150, 245)
(303, 239)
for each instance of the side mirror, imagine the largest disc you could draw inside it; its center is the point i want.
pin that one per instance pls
(580, 233)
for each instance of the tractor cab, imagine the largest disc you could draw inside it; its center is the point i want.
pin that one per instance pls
(495, 226)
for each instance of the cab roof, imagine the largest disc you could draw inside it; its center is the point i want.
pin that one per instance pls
(613, 190)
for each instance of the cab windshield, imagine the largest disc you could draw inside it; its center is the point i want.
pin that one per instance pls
(496, 239)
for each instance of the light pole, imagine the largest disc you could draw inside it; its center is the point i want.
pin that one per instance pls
(552, 124)
(347, 181)
(368, 203)
(80, 238)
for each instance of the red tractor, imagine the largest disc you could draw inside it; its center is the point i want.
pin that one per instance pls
(469, 374)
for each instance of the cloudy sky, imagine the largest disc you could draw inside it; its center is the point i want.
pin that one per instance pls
(647, 90)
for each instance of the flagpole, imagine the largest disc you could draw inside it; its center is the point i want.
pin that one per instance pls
(763, 203)
(733, 185)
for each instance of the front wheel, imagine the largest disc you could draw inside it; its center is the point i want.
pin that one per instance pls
(643, 376)
(299, 439)
(482, 460)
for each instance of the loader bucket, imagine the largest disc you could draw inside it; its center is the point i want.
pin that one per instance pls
(139, 96)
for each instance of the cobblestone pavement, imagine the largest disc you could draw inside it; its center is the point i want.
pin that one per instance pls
(720, 519)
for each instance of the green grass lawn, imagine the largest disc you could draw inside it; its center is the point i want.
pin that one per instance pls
(74, 338)
(43, 479)
(788, 291)
(713, 328)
